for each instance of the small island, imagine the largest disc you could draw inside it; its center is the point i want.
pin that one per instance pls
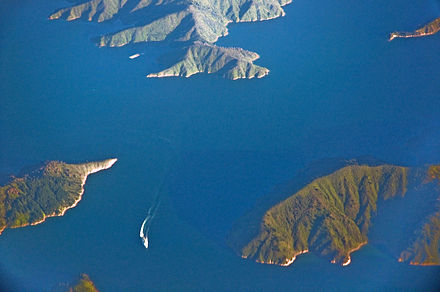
(46, 191)
(194, 24)
(429, 29)
(334, 215)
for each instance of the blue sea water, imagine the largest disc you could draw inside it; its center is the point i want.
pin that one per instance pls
(208, 146)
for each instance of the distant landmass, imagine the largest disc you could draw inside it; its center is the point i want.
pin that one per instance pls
(431, 28)
(337, 213)
(46, 191)
(196, 24)
(84, 285)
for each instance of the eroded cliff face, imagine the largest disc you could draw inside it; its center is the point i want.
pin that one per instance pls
(45, 192)
(332, 217)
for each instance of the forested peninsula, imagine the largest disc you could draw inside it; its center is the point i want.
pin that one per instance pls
(46, 191)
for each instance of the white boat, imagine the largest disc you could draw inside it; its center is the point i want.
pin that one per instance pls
(134, 56)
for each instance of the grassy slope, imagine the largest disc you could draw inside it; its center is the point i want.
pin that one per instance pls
(232, 63)
(331, 216)
(425, 247)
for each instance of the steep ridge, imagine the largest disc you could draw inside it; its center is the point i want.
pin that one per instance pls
(186, 21)
(332, 215)
(232, 63)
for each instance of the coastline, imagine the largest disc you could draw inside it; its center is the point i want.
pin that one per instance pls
(396, 35)
(158, 75)
(289, 262)
(348, 261)
(413, 263)
(423, 264)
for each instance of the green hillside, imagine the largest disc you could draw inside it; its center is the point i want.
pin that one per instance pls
(332, 216)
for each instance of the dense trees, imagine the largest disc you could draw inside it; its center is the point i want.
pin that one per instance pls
(332, 215)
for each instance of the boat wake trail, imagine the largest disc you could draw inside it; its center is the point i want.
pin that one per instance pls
(145, 228)
(152, 211)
